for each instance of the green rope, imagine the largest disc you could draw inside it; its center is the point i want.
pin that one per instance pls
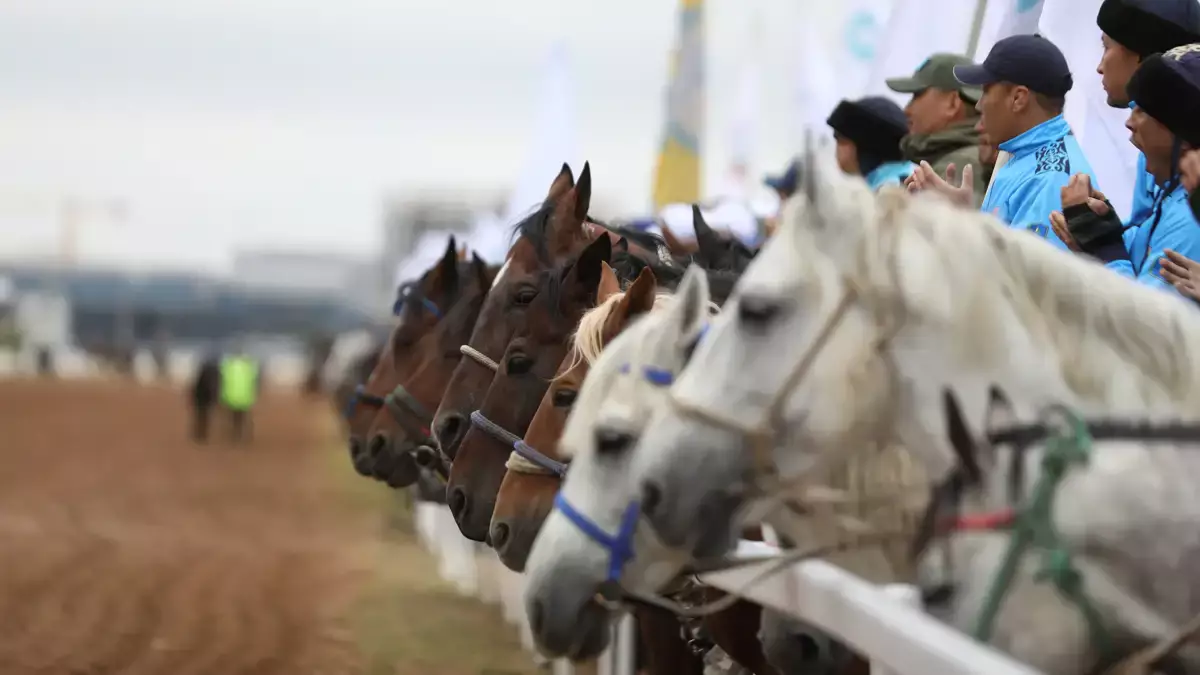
(1034, 526)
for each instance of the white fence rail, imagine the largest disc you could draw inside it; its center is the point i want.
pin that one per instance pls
(882, 624)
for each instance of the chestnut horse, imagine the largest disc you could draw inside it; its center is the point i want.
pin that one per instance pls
(419, 306)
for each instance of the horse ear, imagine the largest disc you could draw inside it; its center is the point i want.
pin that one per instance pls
(448, 267)
(585, 273)
(674, 244)
(570, 212)
(706, 239)
(462, 253)
(484, 274)
(639, 298)
(583, 190)
(564, 181)
(691, 305)
(609, 284)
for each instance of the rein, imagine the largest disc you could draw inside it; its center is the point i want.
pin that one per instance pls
(1031, 526)
(361, 396)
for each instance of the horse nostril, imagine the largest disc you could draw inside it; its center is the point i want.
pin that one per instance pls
(425, 457)
(499, 535)
(457, 501)
(611, 440)
(651, 498)
(356, 447)
(450, 429)
(379, 442)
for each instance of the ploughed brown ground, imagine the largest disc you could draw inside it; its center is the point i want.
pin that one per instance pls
(127, 548)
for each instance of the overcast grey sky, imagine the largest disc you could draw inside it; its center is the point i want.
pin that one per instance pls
(228, 123)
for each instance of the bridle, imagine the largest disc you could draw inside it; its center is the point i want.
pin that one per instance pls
(403, 406)
(619, 545)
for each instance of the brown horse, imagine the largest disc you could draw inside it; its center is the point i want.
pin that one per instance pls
(419, 307)
(402, 425)
(530, 360)
(555, 233)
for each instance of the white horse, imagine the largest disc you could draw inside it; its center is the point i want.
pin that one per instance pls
(872, 310)
(590, 536)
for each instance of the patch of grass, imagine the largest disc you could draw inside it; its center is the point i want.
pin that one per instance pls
(407, 621)
(411, 622)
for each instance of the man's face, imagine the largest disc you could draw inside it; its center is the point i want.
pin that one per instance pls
(1154, 140)
(988, 152)
(1117, 65)
(997, 110)
(932, 110)
(847, 155)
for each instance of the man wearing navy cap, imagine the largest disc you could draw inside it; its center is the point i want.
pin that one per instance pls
(1165, 123)
(1131, 31)
(1025, 81)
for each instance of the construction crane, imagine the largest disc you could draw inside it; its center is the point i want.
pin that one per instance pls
(71, 212)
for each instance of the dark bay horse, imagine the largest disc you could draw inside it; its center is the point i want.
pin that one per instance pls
(401, 426)
(563, 293)
(419, 307)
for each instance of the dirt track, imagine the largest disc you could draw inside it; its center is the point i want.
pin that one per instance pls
(125, 548)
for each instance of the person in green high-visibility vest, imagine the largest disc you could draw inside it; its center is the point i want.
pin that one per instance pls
(239, 390)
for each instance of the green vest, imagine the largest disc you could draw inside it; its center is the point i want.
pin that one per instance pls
(239, 382)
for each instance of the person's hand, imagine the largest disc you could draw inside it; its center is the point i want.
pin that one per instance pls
(961, 192)
(1181, 272)
(1059, 222)
(1189, 169)
(1078, 190)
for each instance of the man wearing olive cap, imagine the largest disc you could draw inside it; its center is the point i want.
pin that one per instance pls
(942, 119)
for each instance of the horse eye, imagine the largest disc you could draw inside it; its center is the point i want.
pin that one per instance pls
(518, 364)
(524, 296)
(564, 398)
(756, 311)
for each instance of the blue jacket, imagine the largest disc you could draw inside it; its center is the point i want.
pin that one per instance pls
(1028, 188)
(1176, 229)
(889, 173)
(1145, 192)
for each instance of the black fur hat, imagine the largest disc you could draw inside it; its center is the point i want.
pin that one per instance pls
(875, 125)
(1167, 87)
(1148, 27)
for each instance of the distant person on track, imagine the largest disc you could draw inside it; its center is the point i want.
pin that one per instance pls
(239, 390)
(205, 391)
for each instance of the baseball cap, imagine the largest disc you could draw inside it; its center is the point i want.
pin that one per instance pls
(1028, 60)
(936, 72)
(785, 182)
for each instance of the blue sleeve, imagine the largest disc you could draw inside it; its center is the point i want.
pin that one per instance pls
(1030, 206)
(1145, 190)
(1125, 267)
(1177, 231)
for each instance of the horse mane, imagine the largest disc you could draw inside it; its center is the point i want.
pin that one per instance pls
(535, 228)
(1091, 316)
(589, 335)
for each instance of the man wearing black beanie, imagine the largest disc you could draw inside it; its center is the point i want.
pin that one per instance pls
(1133, 30)
(868, 133)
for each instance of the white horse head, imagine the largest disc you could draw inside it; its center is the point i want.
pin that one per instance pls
(589, 538)
(785, 377)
